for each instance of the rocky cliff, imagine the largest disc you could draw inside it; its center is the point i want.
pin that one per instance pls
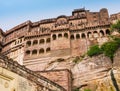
(97, 73)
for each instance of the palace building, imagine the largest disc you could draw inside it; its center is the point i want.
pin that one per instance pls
(34, 44)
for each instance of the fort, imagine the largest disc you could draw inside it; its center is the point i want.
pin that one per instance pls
(35, 44)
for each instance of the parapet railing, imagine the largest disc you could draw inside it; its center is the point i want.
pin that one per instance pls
(21, 70)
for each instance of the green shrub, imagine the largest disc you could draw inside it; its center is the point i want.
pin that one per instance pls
(94, 50)
(109, 48)
(117, 39)
(116, 26)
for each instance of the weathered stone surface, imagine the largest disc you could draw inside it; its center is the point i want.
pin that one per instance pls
(93, 73)
(62, 77)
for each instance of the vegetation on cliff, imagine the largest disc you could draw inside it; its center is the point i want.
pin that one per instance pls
(116, 26)
(109, 48)
(94, 50)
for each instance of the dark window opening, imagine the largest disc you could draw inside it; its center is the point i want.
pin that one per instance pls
(42, 41)
(41, 51)
(54, 37)
(48, 40)
(72, 37)
(48, 50)
(35, 42)
(34, 52)
(77, 36)
(66, 35)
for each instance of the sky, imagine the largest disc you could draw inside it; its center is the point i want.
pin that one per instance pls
(15, 12)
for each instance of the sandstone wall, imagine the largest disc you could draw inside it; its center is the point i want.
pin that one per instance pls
(61, 77)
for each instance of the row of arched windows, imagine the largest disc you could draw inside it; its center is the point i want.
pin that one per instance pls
(94, 34)
(40, 51)
(35, 42)
(54, 36)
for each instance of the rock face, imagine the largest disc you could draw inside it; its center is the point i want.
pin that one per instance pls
(93, 73)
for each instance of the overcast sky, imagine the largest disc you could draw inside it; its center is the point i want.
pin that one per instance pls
(14, 12)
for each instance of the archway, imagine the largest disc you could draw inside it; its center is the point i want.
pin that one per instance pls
(41, 51)
(89, 34)
(66, 35)
(107, 32)
(48, 49)
(35, 42)
(34, 52)
(72, 37)
(54, 37)
(28, 52)
(28, 43)
(77, 36)
(42, 41)
(101, 33)
(83, 35)
(95, 33)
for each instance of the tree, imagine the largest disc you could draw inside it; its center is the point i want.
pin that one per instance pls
(116, 26)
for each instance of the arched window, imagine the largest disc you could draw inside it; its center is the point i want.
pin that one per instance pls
(83, 35)
(42, 41)
(59, 35)
(54, 37)
(95, 33)
(65, 35)
(77, 36)
(41, 51)
(89, 34)
(48, 40)
(48, 49)
(101, 33)
(28, 43)
(107, 32)
(35, 42)
(72, 37)
(28, 52)
(34, 52)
